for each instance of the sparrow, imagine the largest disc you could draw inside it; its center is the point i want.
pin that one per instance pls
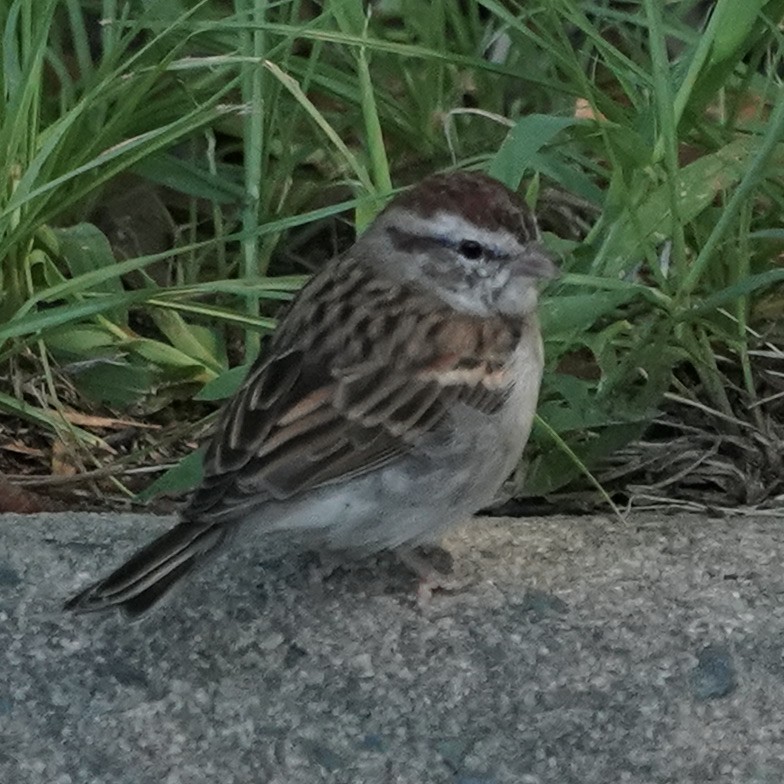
(394, 399)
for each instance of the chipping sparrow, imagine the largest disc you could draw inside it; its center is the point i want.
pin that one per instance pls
(395, 397)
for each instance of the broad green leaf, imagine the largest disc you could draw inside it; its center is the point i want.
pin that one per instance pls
(650, 222)
(193, 341)
(732, 23)
(85, 248)
(552, 469)
(43, 271)
(524, 140)
(164, 355)
(115, 382)
(80, 340)
(188, 178)
(225, 385)
(732, 293)
(733, 29)
(565, 314)
(178, 479)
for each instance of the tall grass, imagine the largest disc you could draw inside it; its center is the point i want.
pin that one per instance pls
(650, 147)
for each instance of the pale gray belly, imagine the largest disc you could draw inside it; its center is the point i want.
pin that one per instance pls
(449, 478)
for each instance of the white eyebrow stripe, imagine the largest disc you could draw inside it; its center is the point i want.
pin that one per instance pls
(448, 224)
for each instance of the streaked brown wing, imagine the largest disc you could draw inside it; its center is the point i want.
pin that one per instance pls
(328, 405)
(341, 429)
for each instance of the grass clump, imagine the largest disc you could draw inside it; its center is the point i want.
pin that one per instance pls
(173, 169)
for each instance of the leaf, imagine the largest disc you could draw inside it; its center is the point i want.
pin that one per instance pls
(732, 293)
(188, 178)
(43, 271)
(565, 314)
(78, 341)
(225, 385)
(178, 479)
(732, 24)
(571, 178)
(197, 343)
(554, 468)
(49, 419)
(524, 140)
(85, 248)
(165, 356)
(579, 408)
(650, 222)
(115, 383)
(732, 31)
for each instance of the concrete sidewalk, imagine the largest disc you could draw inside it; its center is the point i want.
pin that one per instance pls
(582, 651)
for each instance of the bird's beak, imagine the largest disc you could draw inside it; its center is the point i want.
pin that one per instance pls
(536, 262)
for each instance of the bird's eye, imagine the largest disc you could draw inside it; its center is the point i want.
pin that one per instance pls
(470, 249)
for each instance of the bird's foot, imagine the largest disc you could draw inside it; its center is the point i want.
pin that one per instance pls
(433, 565)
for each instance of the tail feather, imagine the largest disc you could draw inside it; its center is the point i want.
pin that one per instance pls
(153, 571)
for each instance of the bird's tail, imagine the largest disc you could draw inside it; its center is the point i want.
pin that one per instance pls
(151, 573)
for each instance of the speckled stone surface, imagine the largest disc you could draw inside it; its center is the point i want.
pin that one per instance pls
(581, 651)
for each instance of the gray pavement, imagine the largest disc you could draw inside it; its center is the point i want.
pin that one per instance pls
(581, 650)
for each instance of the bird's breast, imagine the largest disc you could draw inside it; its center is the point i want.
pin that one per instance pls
(524, 371)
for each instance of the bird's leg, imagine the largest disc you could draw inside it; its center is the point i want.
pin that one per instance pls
(433, 565)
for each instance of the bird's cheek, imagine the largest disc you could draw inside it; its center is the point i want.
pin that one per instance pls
(439, 267)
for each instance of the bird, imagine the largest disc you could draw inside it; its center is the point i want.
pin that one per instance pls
(393, 400)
